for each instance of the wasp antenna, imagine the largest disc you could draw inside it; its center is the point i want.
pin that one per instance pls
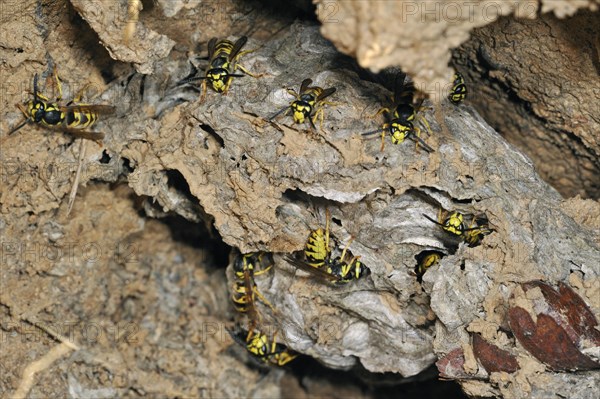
(483, 229)
(312, 124)
(276, 114)
(35, 87)
(189, 80)
(18, 127)
(371, 132)
(434, 221)
(421, 142)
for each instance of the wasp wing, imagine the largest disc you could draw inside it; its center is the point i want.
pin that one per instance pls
(212, 43)
(84, 134)
(304, 85)
(91, 108)
(249, 286)
(312, 270)
(241, 42)
(325, 93)
(419, 105)
(403, 90)
(399, 87)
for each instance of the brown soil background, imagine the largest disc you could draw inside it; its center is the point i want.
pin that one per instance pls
(127, 296)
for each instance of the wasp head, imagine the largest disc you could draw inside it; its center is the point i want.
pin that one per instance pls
(454, 223)
(360, 269)
(301, 110)
(36, 110)
(218, 78)
(258, 345)
(400, 131)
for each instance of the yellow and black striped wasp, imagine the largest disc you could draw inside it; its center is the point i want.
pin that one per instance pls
(454, 223)
(263, 349)
(320, 261)
(245, 267)
(425, 260)
(72, 118)
(223, 57)
(308, 104)
(458, 92)
(477, 230)
(401, 116)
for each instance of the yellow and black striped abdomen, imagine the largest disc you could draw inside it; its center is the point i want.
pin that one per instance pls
(221, 57)
(346, 272)
(317, 250)
(241, 298)
(269, 351)
(223, 48)
(427, 260)
(458, 92)
(80, 120)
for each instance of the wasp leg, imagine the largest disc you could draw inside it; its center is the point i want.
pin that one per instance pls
(383, 129)
(75, 187)
(226, 89)
(292, 92)
(263, 299)
(345, 249)
(248, 72)
(381, 111)
(424, 121)
(311, 120)
(203, 91)
(79, 94)
(251, 328)
(58, 84)
(258, 273)
(328, 216)
(23, 109)
(274, 343)
(241, 53)
(319, 114)
(322, 111)
(418, 140)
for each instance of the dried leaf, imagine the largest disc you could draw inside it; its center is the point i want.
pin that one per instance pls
(547, 341)
(492, 358)
(451, 365)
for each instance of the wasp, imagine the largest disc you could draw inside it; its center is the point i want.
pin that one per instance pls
(263, 349)
(454, 223)
(245, 267)
(308, 104)
(476, 230)
(72, 118)
(320, 261)
(425, 260)
(401, 116)
(458, 92)
(223, 56)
